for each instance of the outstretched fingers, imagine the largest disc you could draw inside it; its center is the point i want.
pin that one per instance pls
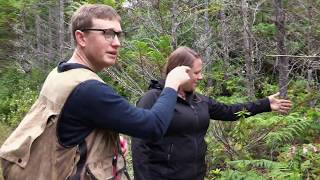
(284, 106)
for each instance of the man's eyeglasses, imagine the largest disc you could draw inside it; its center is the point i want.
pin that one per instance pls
(109, 34)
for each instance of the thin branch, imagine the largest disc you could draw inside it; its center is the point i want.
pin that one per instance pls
(294, 56)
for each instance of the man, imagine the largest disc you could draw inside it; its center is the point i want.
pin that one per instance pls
(71, 132)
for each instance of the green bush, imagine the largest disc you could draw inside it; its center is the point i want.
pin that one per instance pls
(17, 93)
(266, 146)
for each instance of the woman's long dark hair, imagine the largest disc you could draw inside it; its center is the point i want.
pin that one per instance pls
(182, 56)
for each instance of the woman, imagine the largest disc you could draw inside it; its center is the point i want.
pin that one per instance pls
(180, 154)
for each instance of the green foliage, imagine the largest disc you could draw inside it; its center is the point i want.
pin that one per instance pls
(266, 169)
(146, 53)
(107, 2)
(156, 50)
(263, 146)
(266, 88)
(115, 85)
(226, 80)
(9, 10)
(259, 147)
(270, 169)
(74, 5)
(17, 106)
(265, 29)
(238, 134)
(255, 146)
(138, 63)
(235, 98)
(214, 8)
(294, 164)
(69, 10)
(236, 175)
(18, 92)
(289, 128)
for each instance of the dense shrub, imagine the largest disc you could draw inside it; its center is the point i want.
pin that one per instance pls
(18, 91)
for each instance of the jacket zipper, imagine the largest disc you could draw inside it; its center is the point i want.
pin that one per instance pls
(195, 138)
(169, 153)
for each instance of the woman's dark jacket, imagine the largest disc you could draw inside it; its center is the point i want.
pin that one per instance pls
(180, 154)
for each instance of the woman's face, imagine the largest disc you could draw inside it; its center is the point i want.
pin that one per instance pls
(195, 76)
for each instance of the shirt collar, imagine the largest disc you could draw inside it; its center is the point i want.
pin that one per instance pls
(64, 66)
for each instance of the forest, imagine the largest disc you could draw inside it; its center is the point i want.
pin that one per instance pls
(250, 49)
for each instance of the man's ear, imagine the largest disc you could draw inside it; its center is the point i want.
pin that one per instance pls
(80, 38)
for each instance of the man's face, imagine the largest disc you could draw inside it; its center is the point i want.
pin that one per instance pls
(195, 76)
(101, 51)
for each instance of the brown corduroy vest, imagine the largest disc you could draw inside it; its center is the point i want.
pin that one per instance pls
(32, 151)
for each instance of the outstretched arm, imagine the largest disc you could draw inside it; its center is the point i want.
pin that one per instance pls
(224, 112)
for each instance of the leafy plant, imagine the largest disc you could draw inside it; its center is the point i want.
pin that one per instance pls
(265, 29)
(291, 127)
(18, 92)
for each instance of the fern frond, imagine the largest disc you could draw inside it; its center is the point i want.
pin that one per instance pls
(260, 163)
(296, 126)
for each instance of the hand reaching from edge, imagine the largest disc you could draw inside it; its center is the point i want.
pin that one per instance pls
(177, 76)
(280, 105)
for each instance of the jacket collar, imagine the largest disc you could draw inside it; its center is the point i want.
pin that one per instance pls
(159, 84)
(156, 84)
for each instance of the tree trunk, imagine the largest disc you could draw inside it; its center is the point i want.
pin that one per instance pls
(50, 37)
(23, 54)
(38, 38)
(310, 89)
(310, 85)
(309, 31)
(248, 50)
(283, 62)
(61, 29)
(175, 24)
(207, 41)
(225, 40)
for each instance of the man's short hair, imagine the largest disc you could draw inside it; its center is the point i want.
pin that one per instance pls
(82, 18)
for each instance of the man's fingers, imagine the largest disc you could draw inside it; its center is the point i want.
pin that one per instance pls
(186, 68)
(276, 94)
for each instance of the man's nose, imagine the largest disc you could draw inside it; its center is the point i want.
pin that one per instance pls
(116, 42)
